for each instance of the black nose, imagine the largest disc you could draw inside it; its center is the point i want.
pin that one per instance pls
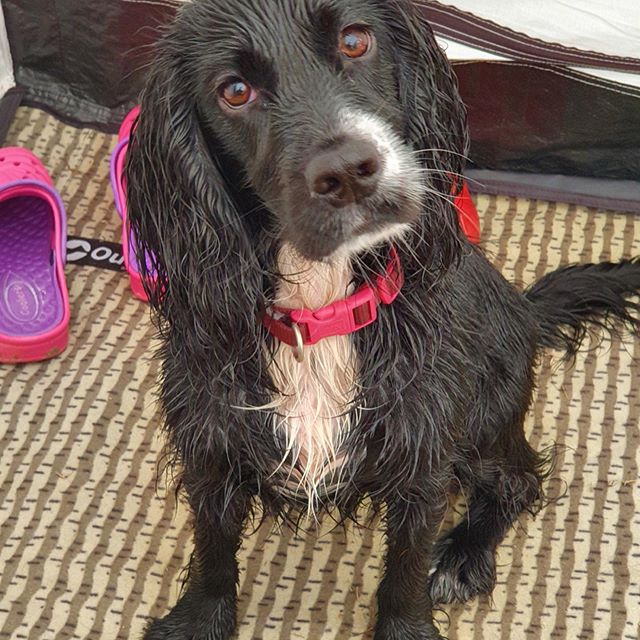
(344, 174)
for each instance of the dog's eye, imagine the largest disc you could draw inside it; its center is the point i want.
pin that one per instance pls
(236, 93)
(355, 41)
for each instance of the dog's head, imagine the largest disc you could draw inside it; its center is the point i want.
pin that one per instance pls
(328, 124)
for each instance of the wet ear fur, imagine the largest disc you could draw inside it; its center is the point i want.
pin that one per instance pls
(435, 115)
(201, 271)
(435, 125)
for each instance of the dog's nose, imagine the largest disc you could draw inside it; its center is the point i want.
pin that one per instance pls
(345, 174)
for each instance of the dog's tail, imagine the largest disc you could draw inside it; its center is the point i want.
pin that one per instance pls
(567, 301)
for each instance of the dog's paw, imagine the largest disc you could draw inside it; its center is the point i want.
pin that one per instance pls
(195, 619)
(173, 628)
(460, 571)
(160, 629)
(399, 629)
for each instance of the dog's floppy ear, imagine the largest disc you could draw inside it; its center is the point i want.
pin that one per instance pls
(435, 125)
(435, 117)
(201, 272)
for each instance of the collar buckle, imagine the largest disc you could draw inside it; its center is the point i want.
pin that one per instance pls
(338, 319)
(301, 327)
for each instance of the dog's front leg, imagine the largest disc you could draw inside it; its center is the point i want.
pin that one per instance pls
(207, 608)
(404, 605)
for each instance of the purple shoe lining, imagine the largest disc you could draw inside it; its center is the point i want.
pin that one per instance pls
(113, 172)
(30, 299)
(119, 196)
(133, 259)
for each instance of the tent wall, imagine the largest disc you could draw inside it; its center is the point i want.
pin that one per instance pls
(553, 90)
(548, 121)
(535, 107)
(600, 28)
(7, 81)
(84, 61)
(10, 96)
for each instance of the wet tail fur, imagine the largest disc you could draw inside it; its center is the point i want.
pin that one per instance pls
(570, 301)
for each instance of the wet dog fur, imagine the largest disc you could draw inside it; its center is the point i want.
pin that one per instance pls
(433, 395)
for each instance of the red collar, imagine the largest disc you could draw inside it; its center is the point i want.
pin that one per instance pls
(301, 327)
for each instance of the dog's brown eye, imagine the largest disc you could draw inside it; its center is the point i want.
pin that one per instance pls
(237, 93)
(355, 42)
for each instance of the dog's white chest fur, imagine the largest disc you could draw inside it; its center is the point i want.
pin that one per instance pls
(314, 401)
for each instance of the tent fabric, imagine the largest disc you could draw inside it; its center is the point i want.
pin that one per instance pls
(10, 95)
(7, 81)
(84, 61)
(537, 118)
(553, 87)
(597, 39)
(588, 26)
(620, 195)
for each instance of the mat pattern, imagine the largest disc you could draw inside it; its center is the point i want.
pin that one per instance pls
(91, 544)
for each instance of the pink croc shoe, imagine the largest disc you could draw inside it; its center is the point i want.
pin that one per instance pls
(468, 215)
(118, 159)
(34, 302)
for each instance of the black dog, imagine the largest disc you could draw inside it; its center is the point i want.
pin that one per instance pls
(283, 148)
